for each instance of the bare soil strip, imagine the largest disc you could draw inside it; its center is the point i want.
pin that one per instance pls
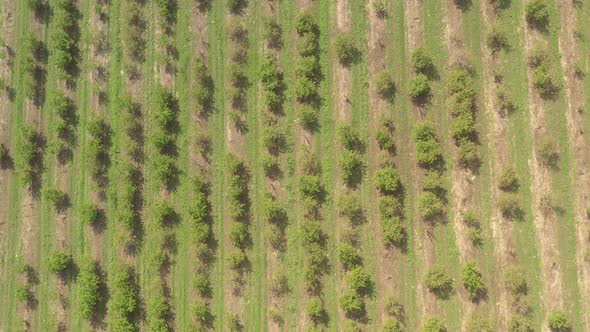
(462, 189)
(502, 229)
(574, 96)
(424, 241)
(341, 94)
(387, 258)
(541, 183)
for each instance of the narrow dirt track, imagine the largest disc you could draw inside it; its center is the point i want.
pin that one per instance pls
(424, 243)
(387, 258)
(574, 96)
(502, 229)
(546, 230)
(462, 191)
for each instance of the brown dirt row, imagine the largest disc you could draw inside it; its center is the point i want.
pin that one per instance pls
(546, 230)
(462, 189)
(425, 243)
(502, 229)
(574, 96)
(387, 258)
(277, 189)
(341, 94)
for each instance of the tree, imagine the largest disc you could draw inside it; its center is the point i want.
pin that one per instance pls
(89, 285)
(349, 256)
(351, 208)
(233, 323)
(380, 9)
(391, 325)
(508, 180)
(359, 280)
(350, 138)
(515, 280)
(390, 206)
(58, 198)
(468, 155)
(387, 180)
(422, 62)
(308, 117)
(384, 85)
(509, 206)
(536, 13)
(236, 6)
(393, 231)
(353, 167)
(558, 321)
(123, 300)
(430, 206)
(346, 49)
(472, 281)
(496, 40)
(394, 308)
(433, 324)
(315, 310)
(434, 183)
(438, 282)
(478, 323)
(240, 236)
(419, 88)
(279, 285)
(59, 262)
(273, 33)
(428, 152)
(305, 23)
(352, 303)
(520, 323)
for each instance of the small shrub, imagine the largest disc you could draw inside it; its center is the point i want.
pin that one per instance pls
(509, 206)
(202, 285)
(438, 282)
(394, 308)
(434, 183)
(380, 9)
(473, 281)
(350, 138)
(391, 325)
(236, 6)
(346, 49)
(419, 88)
(428, 152)
(536, 13)
(496, 40)
(387, 180)
(308, 117)
(90, 214)
(470, 218)
(520, 323)
(478, 323)
(422, 62)
(549, 154)
(233, 323)
(468, 155)
(59, 262)
(56, 197)
(305, 24)
(353, 166)
(558, 321)
(516, 281)
(279, 285)
(508, 180)
(433, 325)
(240, 236)
(273, 33)
(430, 206)
(384, 85)
(351, 208)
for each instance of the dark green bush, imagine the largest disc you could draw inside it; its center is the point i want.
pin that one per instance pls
(310, 186)
(434, 183)
(350, 138)
(393, 231)
(351, 208)
(305, 89)
(428, 151)
(236, 6)
(308, 116)
(123, 300)
(308, 45)
(315, 310)
(28, 155)
(391, 325)
(239, 235)
(305, 23)
(520, 323)
(311, 232)
(394, 308)
(468, 155)
(158, 311)
(359, 280)
(390, 206)
(90, 214)
(273, 33)
(56, 197)
(353, 166)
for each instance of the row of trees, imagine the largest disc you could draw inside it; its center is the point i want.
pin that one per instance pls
(307, 70)
(35, 59)
(239, 82)
(462, 106)
(163, 137)
(64, 39)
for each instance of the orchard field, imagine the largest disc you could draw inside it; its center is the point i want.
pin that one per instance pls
(294, 165)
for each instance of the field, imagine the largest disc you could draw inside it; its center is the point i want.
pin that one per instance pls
(302, 165)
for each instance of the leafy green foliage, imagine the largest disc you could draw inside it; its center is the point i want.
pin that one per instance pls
(433, 324)
(158, 311)
(349, 256)
(56, 197)
(385, 86)
(352, 303)
(359, 280)
(558, 321)
(59, 262)
(351, 208)
(536, 13)
(315, 310)
(346, 49)
(549, 154)
(387, 180)
(393, 231)
(473, 281)
(428, 152)
(508, 180)
(422, 62)
(509, 205)
(516, 281)
(430, 206)
(350, 138)
(64, 39)
(89, 289)
(520, 323)
(90, 214)
(123, 301)
(438, 282)
(353, 166)
(28, 155)
(419, 88)
(391, 325)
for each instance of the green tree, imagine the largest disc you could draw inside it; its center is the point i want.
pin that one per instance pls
(438, 282)
(433, 324)
(89, 285)
(419, 88)
(59, 262)
(558, 321)
(473, 281)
